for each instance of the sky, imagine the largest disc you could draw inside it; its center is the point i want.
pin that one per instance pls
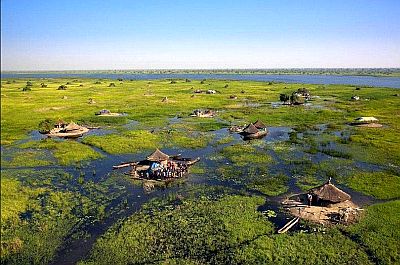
(122, 34)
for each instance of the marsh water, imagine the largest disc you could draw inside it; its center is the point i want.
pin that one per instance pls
(375, 81)
(135, 195)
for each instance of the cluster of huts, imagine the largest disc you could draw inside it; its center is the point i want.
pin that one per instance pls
(254, 130)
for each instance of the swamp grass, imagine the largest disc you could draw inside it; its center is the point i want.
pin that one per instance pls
(41, 209)
(227, 230)
(224, 229)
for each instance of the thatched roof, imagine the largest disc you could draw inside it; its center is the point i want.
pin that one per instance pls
(259, 124)
(250, 129)
(158, 156)
(329, 192)
(72, 126)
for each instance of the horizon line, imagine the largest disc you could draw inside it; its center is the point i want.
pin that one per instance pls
(207, 69)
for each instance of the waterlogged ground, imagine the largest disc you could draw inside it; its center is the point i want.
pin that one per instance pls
(62, 203)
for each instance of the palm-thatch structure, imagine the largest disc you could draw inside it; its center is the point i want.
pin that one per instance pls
(158, 156)
(329, 193)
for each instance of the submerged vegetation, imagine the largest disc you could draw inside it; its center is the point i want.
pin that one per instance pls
(54, 190)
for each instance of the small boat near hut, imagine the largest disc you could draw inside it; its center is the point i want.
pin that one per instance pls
(159, 166)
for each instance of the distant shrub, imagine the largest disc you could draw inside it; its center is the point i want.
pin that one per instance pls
(8, 82)
(62, 87)
(43, 85)
(111, 85)
(81, 85)
(202, 81)
(120, 79)
(27, 88)
(284, 97)
(68, 83)
(97, 83)
(188, 80)
(29, 83)
(46, 125)
(358, 88)
(226, 86)
(173, 82)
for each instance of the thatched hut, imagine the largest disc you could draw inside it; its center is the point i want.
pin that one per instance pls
(259, 125)
(250, 129)
(72, 126)
(328, 193)
(158, 156)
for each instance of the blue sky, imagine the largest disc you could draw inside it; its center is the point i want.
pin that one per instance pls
(119, 34)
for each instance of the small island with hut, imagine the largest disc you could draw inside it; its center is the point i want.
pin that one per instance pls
(325, 204)
(370, 122)
(159, 166)
(254, 130)
(61, 129)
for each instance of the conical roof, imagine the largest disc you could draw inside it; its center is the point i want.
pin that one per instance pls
(250, 129)
(329, 192)
(259, 124)
(72, 126)
(158, 156)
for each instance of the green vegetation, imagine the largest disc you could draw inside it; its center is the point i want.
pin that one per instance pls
(38, 214)
(225, 231)
(378, 231)
(43, 209)
(381, 185)
(66, 152)
(127, 142)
